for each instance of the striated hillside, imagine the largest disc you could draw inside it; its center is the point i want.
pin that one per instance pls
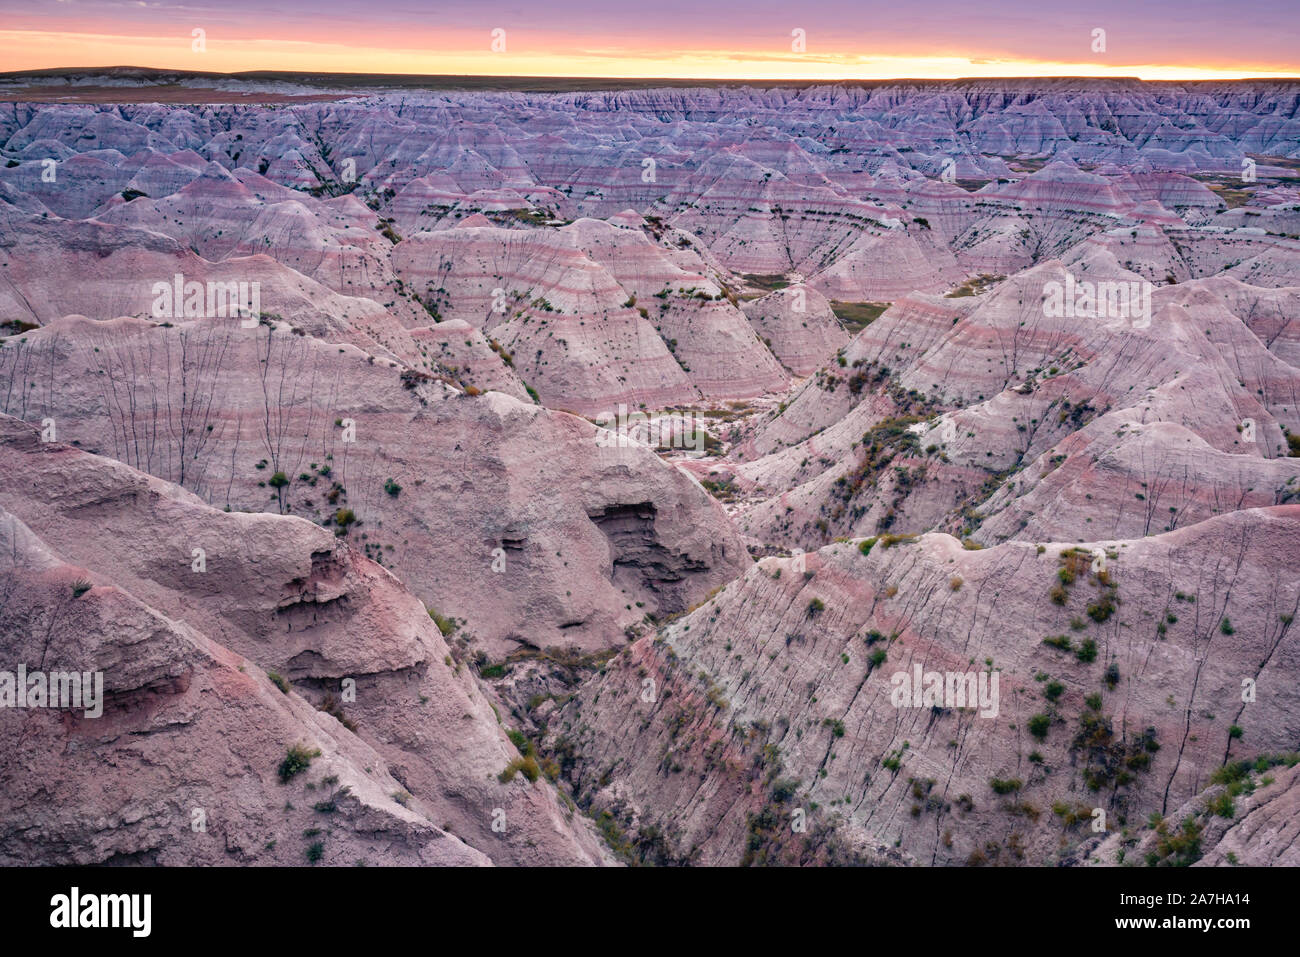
(192, 648)
(1119, 691)
(645, 475)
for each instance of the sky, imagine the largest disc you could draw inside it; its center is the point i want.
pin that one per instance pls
(706, 39)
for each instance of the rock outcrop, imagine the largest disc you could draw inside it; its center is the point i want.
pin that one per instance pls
(193, 616)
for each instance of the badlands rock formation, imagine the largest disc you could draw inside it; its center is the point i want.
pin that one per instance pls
(192, 613)
(1121, 696)
(1248, 817)
(799, 326)
(519, 522)
(604, 458)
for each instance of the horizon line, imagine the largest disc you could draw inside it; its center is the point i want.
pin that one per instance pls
(261, 72)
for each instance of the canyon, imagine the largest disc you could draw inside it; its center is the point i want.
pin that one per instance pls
(995, 381)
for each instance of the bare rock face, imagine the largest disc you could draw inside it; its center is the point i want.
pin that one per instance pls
(385, 521)
(186, 610)
(181, 768)
(476, 361)
(1248, 817)
(565, 303)
(799, 326)
(1122, 690)
(997, 419)
(531, 528)
(888, 266)
(1263, 832)
(223, 215)
(126, 271)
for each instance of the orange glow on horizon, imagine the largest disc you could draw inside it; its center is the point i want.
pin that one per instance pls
(24, 50)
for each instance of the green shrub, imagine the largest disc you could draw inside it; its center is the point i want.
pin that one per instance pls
(1223, 805)
(1102, 608)
(1177, 849)
(296, 760)
(783, 789)
(1038, 725)
(527, 765)
(1232, 772)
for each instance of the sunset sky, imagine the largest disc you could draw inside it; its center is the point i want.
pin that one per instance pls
(716, 39)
